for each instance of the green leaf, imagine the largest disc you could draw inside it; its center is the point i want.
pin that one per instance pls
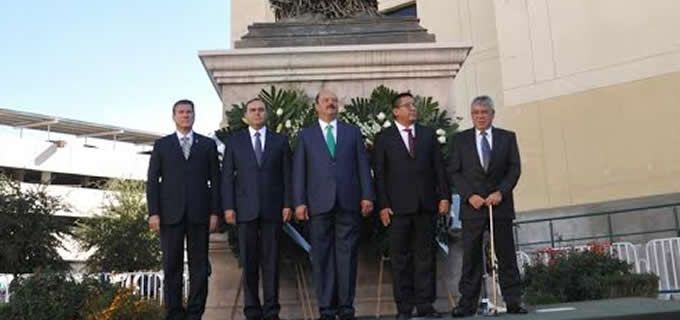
(120, 234)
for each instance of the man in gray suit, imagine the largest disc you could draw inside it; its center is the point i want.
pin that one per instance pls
(485, 168)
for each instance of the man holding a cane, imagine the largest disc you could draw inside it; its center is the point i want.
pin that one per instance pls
(484, 168)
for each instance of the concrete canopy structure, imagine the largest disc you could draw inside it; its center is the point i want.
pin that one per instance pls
(80, 129)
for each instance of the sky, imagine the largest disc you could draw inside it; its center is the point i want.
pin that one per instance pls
(121, 63)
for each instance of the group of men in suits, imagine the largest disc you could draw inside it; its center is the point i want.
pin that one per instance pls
(327, 182)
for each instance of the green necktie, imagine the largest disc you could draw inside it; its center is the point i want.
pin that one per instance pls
(330, 140)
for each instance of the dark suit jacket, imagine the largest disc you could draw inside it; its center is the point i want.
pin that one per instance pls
(405, 184)
(319, 180)
(468, 176)
(256, 191)
(176, 185)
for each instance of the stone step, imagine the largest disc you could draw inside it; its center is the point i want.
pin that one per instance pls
(273, 29)
(359, 20)
(376, 30)
(296, 41)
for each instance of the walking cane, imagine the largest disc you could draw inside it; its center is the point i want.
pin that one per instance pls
(494, 264)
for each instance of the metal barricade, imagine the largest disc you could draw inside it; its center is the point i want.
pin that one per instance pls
(663, 257)
(523, 259)
(5, 281)
(626, 251)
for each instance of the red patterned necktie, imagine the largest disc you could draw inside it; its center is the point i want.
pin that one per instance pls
(411, 143)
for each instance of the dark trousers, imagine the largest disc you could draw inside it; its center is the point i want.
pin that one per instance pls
(334, 239)
(471, 278)
(172, 246)
(412, 253)
(259, 250)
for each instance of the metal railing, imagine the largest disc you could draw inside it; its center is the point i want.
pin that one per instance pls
(628, 252)
(146, 284)
(663, 257)
(610, 234)
(5, 281)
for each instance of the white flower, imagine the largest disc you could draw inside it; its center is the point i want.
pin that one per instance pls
(387, 124)
(442, 139)
(441, 132)
(279, 112)
(288, 123)
(381, 116)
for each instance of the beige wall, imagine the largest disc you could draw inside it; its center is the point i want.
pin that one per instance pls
(389, 4)
(244, 13)
(599, 145)
(469, 21)
(557, 47)
(589, 86)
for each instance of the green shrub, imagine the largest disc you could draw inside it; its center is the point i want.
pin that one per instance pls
(46, 295)
(631, 285)
(55, 296)
(127, 306)
(120, 235)
(584, 275)
(100, 296)
(5, 311)
(29, 230)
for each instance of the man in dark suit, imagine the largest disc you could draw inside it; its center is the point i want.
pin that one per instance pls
(182, 192)
(412, 188)
(485, 167)
(256, 195)
(332, 185)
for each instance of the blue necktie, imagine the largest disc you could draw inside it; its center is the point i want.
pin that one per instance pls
(258, 148)
(486, 151)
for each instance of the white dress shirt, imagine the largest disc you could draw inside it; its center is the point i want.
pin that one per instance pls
(189, 135)
(263, 134)
(489, 137)
(324, 124)
(404, 134)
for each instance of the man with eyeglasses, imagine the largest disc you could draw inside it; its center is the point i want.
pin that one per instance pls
(412, 190)
(485, 167)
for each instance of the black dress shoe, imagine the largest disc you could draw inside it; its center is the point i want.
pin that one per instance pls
(461, 311)
(429, 314)
(517, 309)
(272, 318)
(427, 311)
(403, 316)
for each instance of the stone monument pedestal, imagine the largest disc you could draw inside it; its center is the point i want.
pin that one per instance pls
(426, 69)
(226, 274)
(351, 57)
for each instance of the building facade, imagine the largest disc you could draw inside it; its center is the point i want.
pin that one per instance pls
(72, 160)
(589, 87)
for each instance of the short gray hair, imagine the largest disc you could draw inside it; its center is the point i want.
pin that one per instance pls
(484, 101)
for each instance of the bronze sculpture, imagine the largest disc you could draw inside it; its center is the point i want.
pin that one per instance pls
(306, 10)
